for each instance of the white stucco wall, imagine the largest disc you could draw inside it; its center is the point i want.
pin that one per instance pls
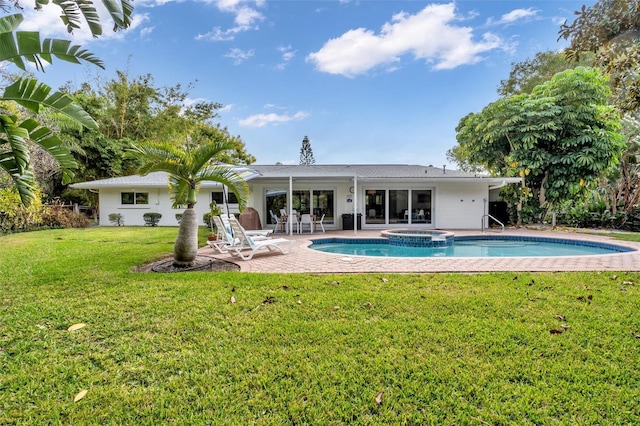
(460, 205)
(159, 202)
(455, 205)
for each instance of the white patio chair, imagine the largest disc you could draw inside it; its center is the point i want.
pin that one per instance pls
(307, 220)
(319, 222)
(248, 246)
(276, 220)
(293, 224)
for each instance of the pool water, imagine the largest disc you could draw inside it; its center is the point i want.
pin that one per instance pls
(470, 247)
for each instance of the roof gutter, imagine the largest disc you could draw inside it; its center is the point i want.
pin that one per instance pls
(498, 186)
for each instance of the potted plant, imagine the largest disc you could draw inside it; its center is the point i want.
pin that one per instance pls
(214, 210)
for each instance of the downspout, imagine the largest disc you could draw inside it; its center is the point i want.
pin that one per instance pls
(355, 205)
(500, 185)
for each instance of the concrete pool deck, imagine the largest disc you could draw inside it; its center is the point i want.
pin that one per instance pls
(305, 260)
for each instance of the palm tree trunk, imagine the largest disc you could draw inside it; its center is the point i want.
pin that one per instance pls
(186, 247)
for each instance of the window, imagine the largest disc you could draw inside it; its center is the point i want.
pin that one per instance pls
(323, 205)
(375, 206)
(317, 202)
(399, 206)
(218, 197)
(134, 198)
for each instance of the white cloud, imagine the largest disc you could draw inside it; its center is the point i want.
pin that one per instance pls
(47, 21)
(514, 16)
(144, 32)
(429, 35)
(261, 120)
(287, 55)
(239, 55)
(246, 18)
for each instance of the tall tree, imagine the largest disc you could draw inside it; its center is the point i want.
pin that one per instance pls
(188, 166)
(560, 139)
(531, 72)
(16, 47)
(130, 110)
(306, 153)
(610, 29)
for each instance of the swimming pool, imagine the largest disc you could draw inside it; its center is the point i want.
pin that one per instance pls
(470, 246)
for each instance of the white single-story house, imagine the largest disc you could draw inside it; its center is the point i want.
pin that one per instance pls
(379, 195)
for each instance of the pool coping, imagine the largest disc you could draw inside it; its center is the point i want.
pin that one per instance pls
(306, 260)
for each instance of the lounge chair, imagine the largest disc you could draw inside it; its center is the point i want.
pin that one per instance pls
(247, 246)
(254, 233)
(225, 238)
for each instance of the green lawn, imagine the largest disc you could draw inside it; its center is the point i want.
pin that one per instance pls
(304, 349)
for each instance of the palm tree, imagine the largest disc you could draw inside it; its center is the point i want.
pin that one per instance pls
(188, 166)
(19, 46)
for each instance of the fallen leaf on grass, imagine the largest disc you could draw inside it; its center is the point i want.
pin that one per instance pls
(554, 331)
(367, 304)
(560, 317)
(565, 326)
(232, 300)
(379, 397)
(285, 287)
(75, 327)
(80, 395)
(269, 299)
(628, 283)
(636, 335)
(299, 302)
(384, 280)
(614, 277)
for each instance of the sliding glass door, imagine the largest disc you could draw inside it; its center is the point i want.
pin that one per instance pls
(397, 206)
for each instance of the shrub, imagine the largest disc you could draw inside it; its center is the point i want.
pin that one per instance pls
(56, 216)
(16, 217)
(116, 219)
(151, 219)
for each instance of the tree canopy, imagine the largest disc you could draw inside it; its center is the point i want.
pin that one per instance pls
(610, 29)
(306, 153)
(560, 138)
(19, 130)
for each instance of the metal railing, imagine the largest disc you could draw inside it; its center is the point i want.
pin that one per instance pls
(494, 219)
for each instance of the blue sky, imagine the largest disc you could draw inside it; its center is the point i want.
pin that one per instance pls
(366, 81)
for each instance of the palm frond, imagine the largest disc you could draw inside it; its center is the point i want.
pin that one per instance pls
(179, 189)
(158, 157)
(45, 138)
(17, 46)
(120, 12)
(203, 154)
(15, 138)
(10, 23)
(23, 180)
(73, 13)
(228, 176)
(33, 95)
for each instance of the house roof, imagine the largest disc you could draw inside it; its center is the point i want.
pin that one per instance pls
(336, 171)
(374, 172)
(152, 180)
